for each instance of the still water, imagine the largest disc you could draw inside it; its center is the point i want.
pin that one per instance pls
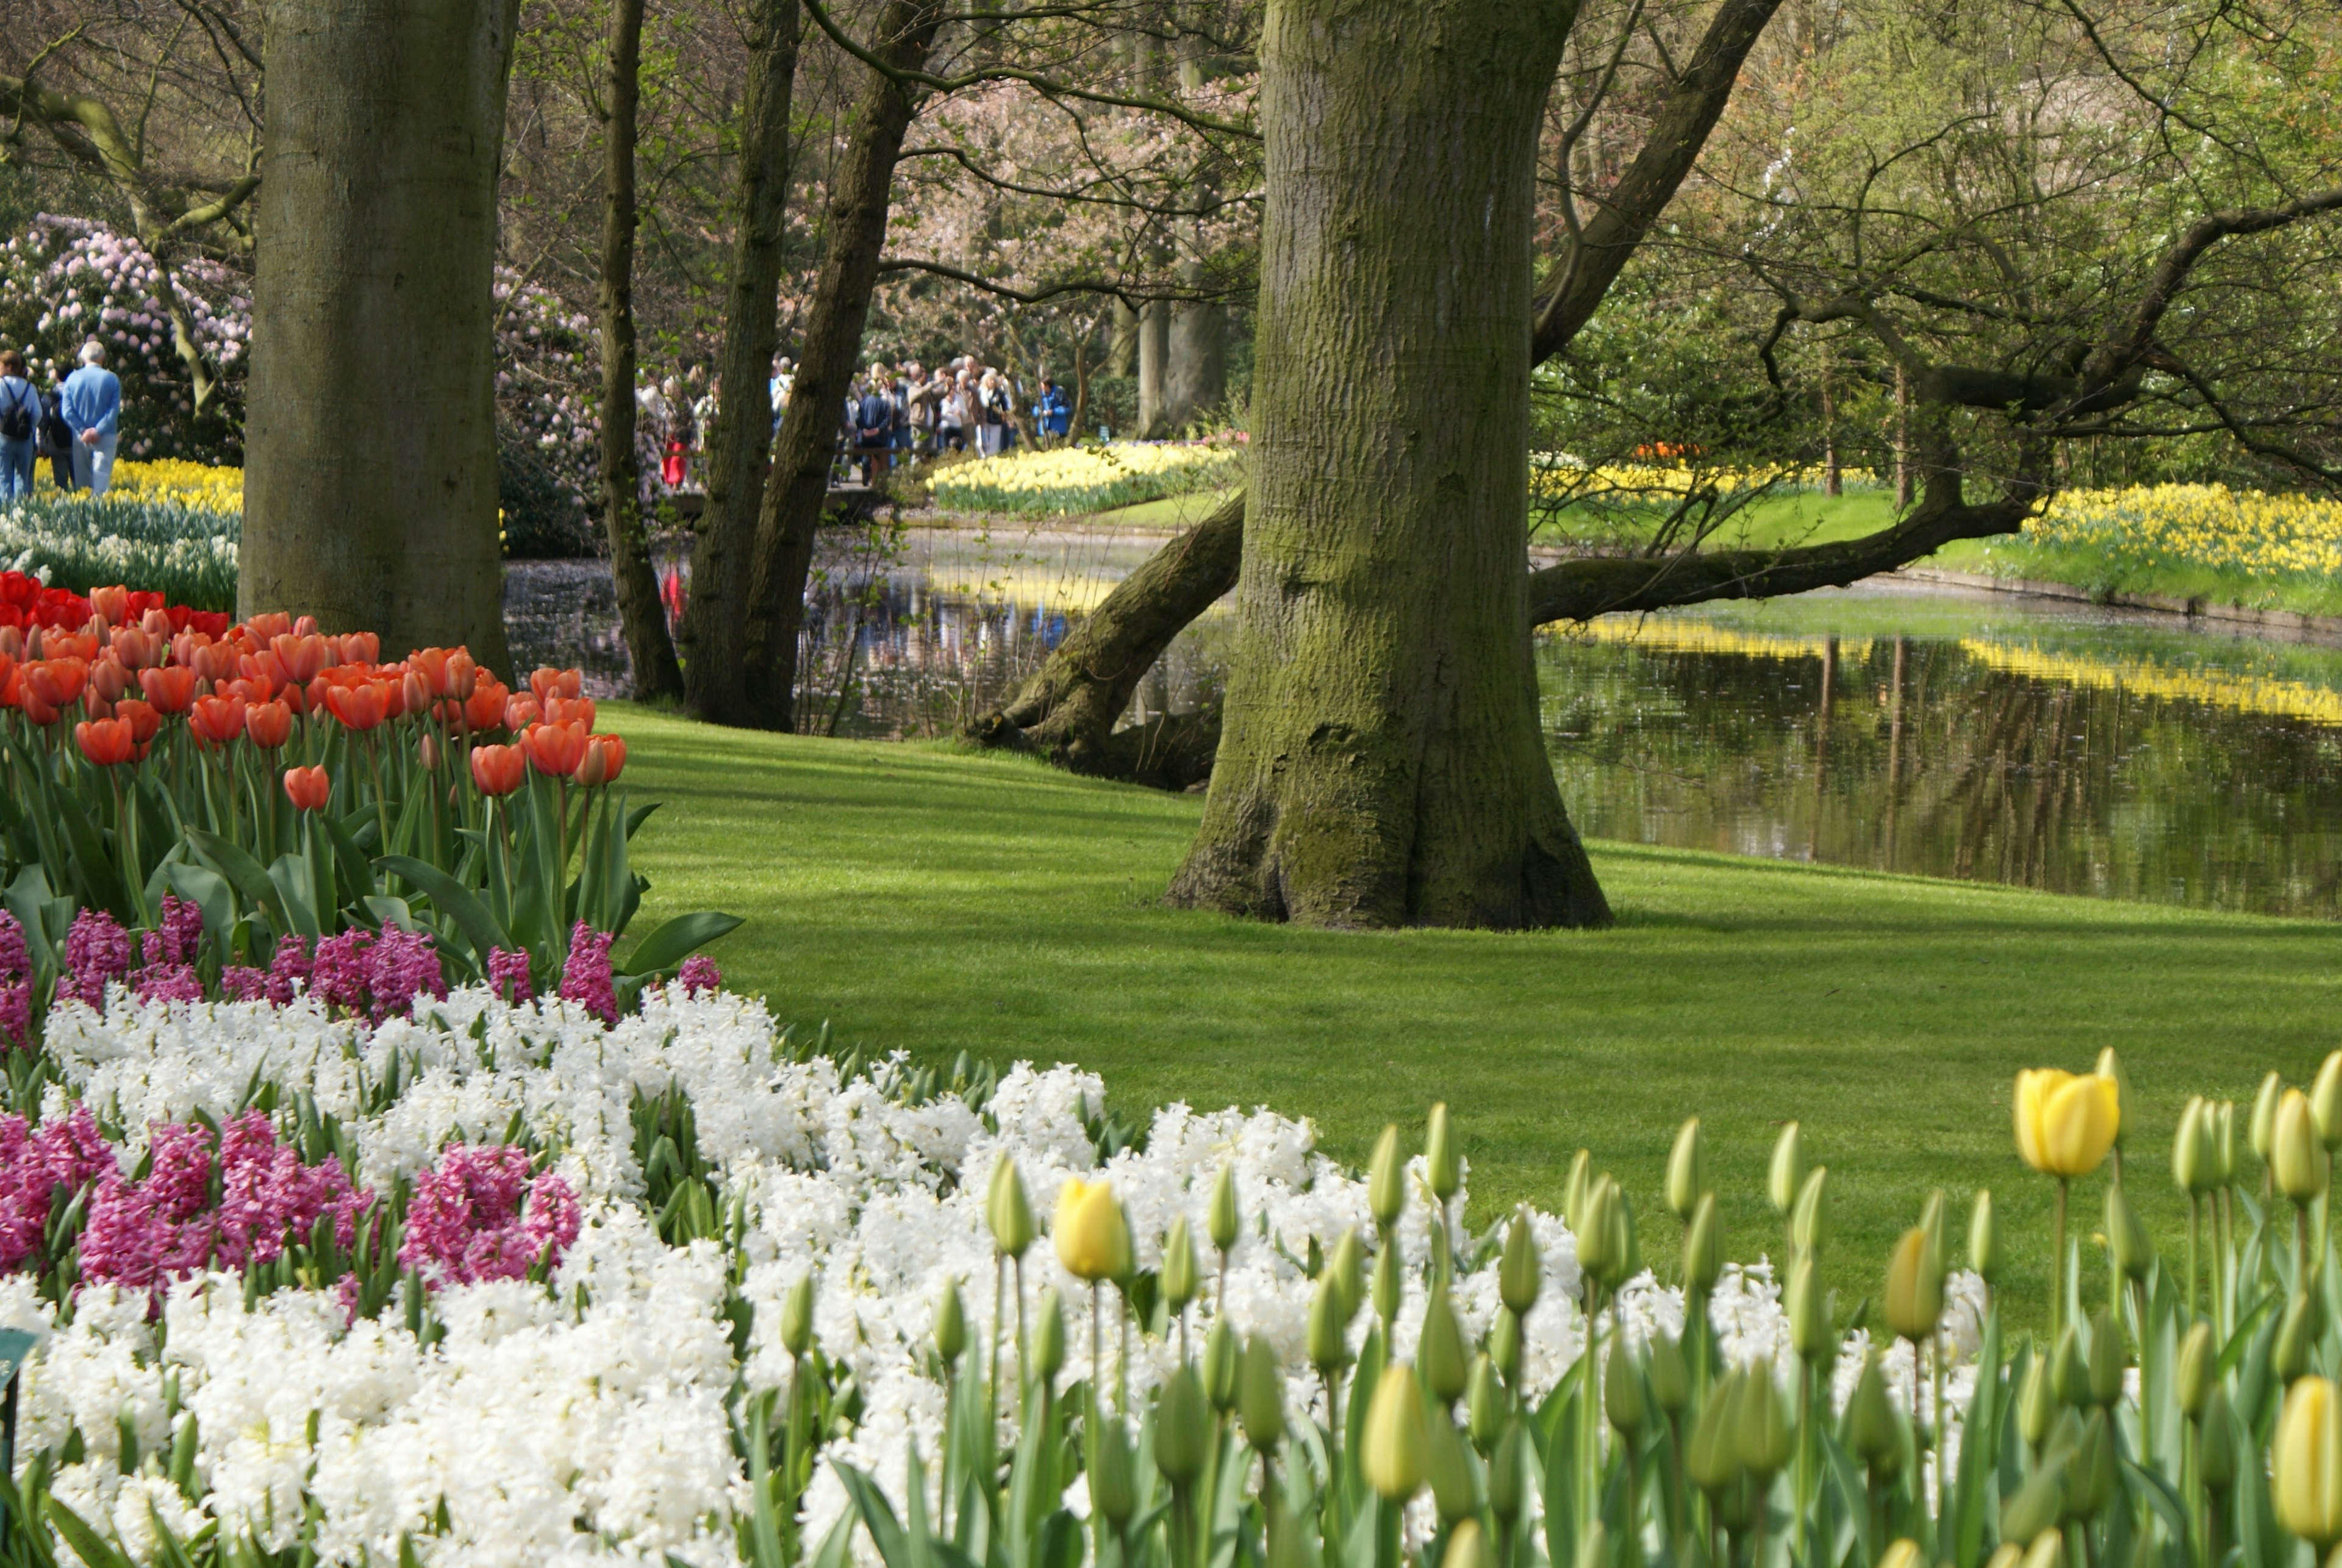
(1980, 736)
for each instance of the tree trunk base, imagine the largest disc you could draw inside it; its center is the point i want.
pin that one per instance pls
(1169, 752)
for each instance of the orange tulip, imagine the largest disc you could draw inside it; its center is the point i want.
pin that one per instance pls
(170, 687)
(521, 710)
(360, 647)
(307, 788)
(605, 759)
(111, 604)
(555, 750)
(302, 657)
(93, 706)
(269, 624)
(427, 750)
(270, 724)
(217, 720)
(358, 707)
(58, 682)
(157, 625)
(257, 690)
(105, 742)
(134, 648)
(569, 711)
(67, 646)
(457, 676)
(142, 717)
(108, 679)
(547, 682)
(414, 693)
(498, 770)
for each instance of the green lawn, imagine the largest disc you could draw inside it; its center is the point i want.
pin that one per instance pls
(921, 897)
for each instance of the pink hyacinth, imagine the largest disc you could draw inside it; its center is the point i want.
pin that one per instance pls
(468, 1222)
(699, 975)
(585, 974)
(97, 950)
(177, 935)
(34, 1165)
(402, 965)
(242, 983)
(337, 975)
(166, 982)
(16, 957)
(508, 975)
(288, 968)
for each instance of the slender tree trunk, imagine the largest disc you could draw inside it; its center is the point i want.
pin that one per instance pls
(757, 687)
(1381, 761)
(739, 447)
(1903, 470)
(1153, 349)
(370, 479)
(642, 619)
(1198, 376)
(1122, 357)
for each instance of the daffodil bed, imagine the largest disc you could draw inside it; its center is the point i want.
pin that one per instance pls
(169, 524)
(1075, 479)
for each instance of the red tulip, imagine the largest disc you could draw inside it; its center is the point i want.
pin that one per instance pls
(108, 679)
(93, 706)
(569, 711)
(548, 681)
(269, 624)
(134, 648)
(413, 694)
(142, 717)
(57, 683)
(170, 687)
(360, 647)
(307, 788)
(457, 676)
(217, 720)
(484, 709)
(555, 750)
(605, 759)
(498, 770)
(302, 657)
(359, 707)
(269, 724)
(521, 710)
(105, 742)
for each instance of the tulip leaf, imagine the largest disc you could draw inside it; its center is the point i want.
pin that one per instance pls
(101, 884)
(877, 1517)
(244, 874)
(452, 898)
(290, 874)
(86, 1543)
(678, 939)
(356, 872)
(639, 815)
(209, 891)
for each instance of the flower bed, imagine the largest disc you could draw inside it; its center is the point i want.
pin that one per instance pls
(179, 540)
(1070, 479)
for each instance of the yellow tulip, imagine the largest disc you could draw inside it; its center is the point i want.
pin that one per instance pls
(1915, 1287)
(2065, 1121)
(1092, 1238)
(1903, 1554)
(1396, 1446)
(2306, 1463)
(2297, 1157)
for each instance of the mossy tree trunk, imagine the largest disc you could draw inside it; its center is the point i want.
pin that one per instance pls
(1381, 762)
(370, 479)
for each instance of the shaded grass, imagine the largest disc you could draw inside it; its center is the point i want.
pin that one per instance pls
(933, 899)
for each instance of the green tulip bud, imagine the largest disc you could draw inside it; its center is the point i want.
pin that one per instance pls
(951, 1324)
(2223, 1139)
(1983, 1237)
(1443, 1166)
(2195, 1160)
(1593, 1547)
(1520, 1274)
(1467, 1547)
(1008, 1210)
(1713, 1458)
(2069, 1370)
(2047, 1551)
(1329, 1340)
(1394, 1449)
(1183, 1426)
(1225, 1222)
(1292, 1540)
(2090, 1473)
(1114, 1491)
(1389, 1283)
(2126, 1238)
(1670, 1378)
(1047, 1356)
(1871, 1432)
(1484, 1408)
(1504, 1346)
(1597, 1235)
(1902, 1554)
(1576, 1190)
(2325, 1102)
(2217, 1453)
(2107, 1359)
(1508, 1475)
(1809, 1221)
(2036, 1403)
(1703, 1259)
(1915, 1287)
(1348, 1268)
(1449, 1468)
(1687, 1171)
(1812, 1334)
(1622, 1392)
(796, 1317)
(2296, 1159)
(1387, 1179)
(2264, 1125)
(1440, 1356)
(1931, 1220)
(2297, 1337)
(1764, 1436)
(1785, 1177)
(1223, 1354)
(2110, 1068)
(2035, 1506)
(1260, 1395)
(2199, 1367)
(1181, 1275)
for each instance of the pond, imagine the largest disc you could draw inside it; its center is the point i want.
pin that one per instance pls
(1992, 737)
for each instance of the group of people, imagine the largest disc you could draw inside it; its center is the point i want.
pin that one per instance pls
(891, 412)
(76, 424)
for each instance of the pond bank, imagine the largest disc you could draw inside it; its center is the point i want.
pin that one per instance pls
(2289, 624)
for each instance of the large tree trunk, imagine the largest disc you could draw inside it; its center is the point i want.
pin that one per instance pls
(370, 479)
(1381, 761)
(758, 688)
(1198, 376)
(1154, 350)
(642, 620)
(739, 448)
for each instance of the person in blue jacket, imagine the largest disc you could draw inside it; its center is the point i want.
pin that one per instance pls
(90, 405)
(1053, 413)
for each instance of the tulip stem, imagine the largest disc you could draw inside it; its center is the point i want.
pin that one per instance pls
(2057, 1269)
(999, 1303)
(2194, 1217)
(1936, 1423)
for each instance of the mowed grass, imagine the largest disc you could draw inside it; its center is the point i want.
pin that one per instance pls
(932, 900)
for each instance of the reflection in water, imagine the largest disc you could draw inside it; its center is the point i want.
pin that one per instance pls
(2008, 741)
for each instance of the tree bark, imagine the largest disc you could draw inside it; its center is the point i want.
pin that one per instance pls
(370, 481)
(739, 446)
(1122, 356)
(1382, 763)
(1153, 349)
(757, 687)
(642, 620)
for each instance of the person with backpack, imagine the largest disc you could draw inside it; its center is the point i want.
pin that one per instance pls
(20, 423)
(90, 405)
